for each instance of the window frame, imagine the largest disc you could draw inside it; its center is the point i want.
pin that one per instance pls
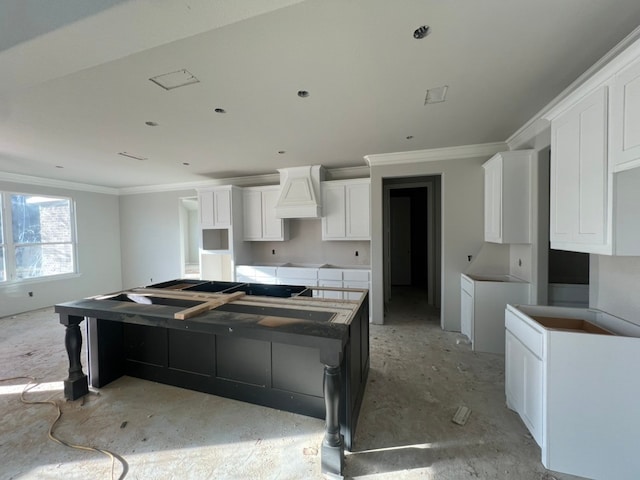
(10, 247)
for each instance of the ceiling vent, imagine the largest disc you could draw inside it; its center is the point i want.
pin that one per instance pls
(172, 80)
(300, 192)
(436, 95)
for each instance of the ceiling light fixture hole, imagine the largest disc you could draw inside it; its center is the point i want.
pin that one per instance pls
(409, 137)
(220, 110)
(303, 93)
(151, 124)
(281, 152)
(421, 32)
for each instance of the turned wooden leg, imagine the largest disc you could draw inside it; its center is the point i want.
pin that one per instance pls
(76, 384)
(333, 443)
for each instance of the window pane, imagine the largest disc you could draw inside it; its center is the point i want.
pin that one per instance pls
(3, 271)
(40, 219)
(1, 225)
(42, 260)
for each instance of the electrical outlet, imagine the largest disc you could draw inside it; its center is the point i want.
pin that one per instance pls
(273, 252)
(357, 253)
(519, 262)
(31, 294)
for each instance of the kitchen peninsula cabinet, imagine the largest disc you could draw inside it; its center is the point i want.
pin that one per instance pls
(346, 210)
(507, 197)
(260, 221)
(567, 374)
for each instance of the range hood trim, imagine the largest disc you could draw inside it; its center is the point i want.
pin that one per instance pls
(300, 194)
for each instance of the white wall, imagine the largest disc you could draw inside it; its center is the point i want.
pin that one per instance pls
(614, 284)
(462, 226)
(305, 245)
(98, 234)
(150, 237)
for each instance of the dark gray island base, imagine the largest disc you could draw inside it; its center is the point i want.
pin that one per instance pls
(250, 342)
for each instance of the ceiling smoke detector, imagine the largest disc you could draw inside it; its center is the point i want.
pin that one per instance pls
(180, 78)
(436, 95)
(421, 32)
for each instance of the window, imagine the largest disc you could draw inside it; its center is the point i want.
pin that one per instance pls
(37, 238)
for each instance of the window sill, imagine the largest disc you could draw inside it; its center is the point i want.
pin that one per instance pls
(47, 279)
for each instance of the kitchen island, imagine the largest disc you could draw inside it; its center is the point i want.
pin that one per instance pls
(276, 346)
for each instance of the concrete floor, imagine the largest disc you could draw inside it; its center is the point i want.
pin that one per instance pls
(419, 376)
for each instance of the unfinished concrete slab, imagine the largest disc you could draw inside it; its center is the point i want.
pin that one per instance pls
(419, 378)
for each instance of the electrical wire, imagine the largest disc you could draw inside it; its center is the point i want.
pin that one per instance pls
(113, 456)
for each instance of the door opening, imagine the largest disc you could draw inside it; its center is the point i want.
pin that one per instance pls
(412, 236)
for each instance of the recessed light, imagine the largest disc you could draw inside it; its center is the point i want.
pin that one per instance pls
(186, 164)
(421, 32)
(59, 166)
(436, 95)
(151, 124)
(409, 137)
(303, 93)
(281, 152)
(180, 78)
(130, 155)
(220, 110)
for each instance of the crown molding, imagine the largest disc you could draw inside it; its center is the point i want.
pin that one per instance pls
(436, 154)
(598, 74)
(49, 182)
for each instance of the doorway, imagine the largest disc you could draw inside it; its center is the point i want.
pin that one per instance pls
(412, 233)
(189, 253)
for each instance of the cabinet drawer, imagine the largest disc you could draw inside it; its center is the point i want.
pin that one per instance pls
(304, 282)
(355, 276)
(525, 332)
(298, 272)
(264, 272)
(334, 274)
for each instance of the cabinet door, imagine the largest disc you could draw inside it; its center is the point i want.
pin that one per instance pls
(358, 211)
(493, 201)
(222, 208)
(205, 200)
(532, 395)
(625, 118)
(466, 314)
(252, 214)
(333, 212)
(579, 175)
(272, 227)
(514, 372)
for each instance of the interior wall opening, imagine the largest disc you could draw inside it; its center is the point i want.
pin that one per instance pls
(189, 226)
(412, 236)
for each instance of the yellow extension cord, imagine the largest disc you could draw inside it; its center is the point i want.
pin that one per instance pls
(32, 383)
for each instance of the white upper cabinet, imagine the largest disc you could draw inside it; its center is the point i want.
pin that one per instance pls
(595, 152)
(578, 217)
(346, 210)
(215, 207)
(259, 215)
(507, 197)
(625, 118)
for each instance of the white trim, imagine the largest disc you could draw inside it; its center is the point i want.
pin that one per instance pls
(436, 154)
(49, 182)
(614, 60)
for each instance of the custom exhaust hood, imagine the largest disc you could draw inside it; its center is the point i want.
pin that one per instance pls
(300, 195)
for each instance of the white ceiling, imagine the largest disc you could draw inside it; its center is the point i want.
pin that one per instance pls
(75, 89)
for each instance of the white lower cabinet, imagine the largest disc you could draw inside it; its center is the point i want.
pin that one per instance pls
(573, 385)
(523, 384)
(482, 303)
